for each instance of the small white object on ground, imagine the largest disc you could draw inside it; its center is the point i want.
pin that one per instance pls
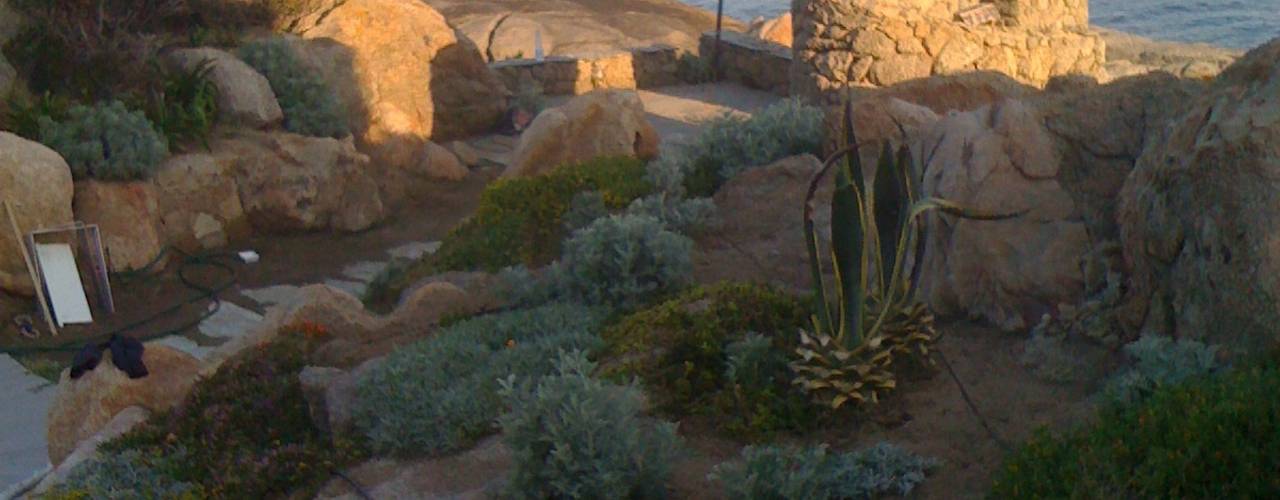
(249, 256)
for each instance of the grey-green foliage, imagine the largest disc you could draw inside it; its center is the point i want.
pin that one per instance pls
(574, 436)
(440, 394)
(731, 144)
(106, 142)
(753, 361)
(127, 475)
(585, 208)
(813, 473)
(1161, 361)
(623, 260)
(309, 104)
(682, 215)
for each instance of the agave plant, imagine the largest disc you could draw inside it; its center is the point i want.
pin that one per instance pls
(874, 318)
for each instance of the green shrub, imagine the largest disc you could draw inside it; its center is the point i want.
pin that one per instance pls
(685, 216)
(441, 394)
(184, 104)
(585, 208)
(813, 473)
(573, 436)
(105, 142)
(23, 113)
(695, 355)
(128, 475)
(1161, 361)
(1212, 437)
(521, 221)
(248, 429)
(625, 260)
(310, 106)
(730, 144)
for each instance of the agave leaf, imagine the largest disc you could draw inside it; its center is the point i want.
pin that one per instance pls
(890, 206)
(839, 401)
(954, 209)
(847, 240)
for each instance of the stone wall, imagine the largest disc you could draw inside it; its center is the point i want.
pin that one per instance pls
(562, 75)
(883, 42)
(750, 61)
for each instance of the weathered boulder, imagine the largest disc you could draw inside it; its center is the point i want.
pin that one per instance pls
(999, 159)
(776, 30)
(505, 28)
(128, 216)
(244, 96)
(443, 164)
(599, 123)
(123, 422)
(877, 118)
(466, 153)
(404, 76)
(37, 183)
(289, 182)
(8, 77)
(331, 396)
(1198, 217)
(199, 203)
(83, 406)
(1129, 55)
(957, 92)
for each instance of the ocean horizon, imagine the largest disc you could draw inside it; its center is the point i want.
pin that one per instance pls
(1240, 24)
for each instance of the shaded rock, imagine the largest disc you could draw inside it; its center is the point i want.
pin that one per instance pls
(36, 181)
(430, 303)
(469, 475)
(592, 125)
(84, 406)
(877, 118)
(443, 164)
(465, 153)
(10, 22)
(128, 216)
(244, 96)
(505, 28)
(199, 203)
(289, 182)
(999, 159)
(776, 30)
(8, 77)
(404, 76)
(961, 92)
(1198, 215)
(123, 422)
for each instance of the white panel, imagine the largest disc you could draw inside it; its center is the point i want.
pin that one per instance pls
(66, 292)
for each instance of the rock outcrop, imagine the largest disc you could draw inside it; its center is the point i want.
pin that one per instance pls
(199, 203)
(289, 182)
(128, 216)
(37, 183)
(1129, 55)
(1198, 217)
(123, 422)
(878, 43)
(244, 96)
(504, 29)
(404, 76)
(85, 405)
(776, 30)
(599, 123)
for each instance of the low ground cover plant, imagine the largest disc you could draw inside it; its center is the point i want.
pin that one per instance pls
(310, 105)
(574, 436)
(1161, 361)
(441, 394)
(816, 473)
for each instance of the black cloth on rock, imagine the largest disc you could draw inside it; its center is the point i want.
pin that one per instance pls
(126, 354)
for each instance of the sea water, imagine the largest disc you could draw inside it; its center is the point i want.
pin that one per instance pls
(1228, 23)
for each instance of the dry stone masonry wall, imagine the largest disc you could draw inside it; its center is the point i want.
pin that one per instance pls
(646, 67)
(882, 42)
(745, 59)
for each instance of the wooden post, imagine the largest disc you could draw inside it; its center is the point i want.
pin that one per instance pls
(31, 269)
(715, 54)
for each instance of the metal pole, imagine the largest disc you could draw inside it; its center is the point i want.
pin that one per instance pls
(715, 55)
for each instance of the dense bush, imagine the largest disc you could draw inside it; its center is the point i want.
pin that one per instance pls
(309, 104)
(247, 428)
(441, 394)
(1212, 437)
(183, 104)
(625, 260)
(730, 144)
(695, 355)
(685, 216)
(105, 142)
(1159, 362)
(573, 436)
(813, 473)
(522, 221)
(23, 112)
(129, 475)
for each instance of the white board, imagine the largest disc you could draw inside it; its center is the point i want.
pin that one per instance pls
(66, 292)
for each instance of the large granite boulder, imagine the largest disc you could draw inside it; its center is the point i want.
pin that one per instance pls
(128, 216)
(404, 76)
(506, 28)
(37, 183)
(83, 406)
(776, 30)
(1200, 214)
(199, 203)
(289, 182)
(244, 96)
(599, 123)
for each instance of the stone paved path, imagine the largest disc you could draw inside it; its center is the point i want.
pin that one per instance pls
(24, 405)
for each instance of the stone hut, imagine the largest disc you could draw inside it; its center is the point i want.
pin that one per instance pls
(867, 43)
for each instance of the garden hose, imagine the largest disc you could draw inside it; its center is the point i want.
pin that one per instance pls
(203, 292)
(991, 432)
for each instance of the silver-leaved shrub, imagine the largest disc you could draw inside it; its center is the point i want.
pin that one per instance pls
(575, 436)
(814, 473)
(1160, 361)
(309, 104)
(105, 142)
